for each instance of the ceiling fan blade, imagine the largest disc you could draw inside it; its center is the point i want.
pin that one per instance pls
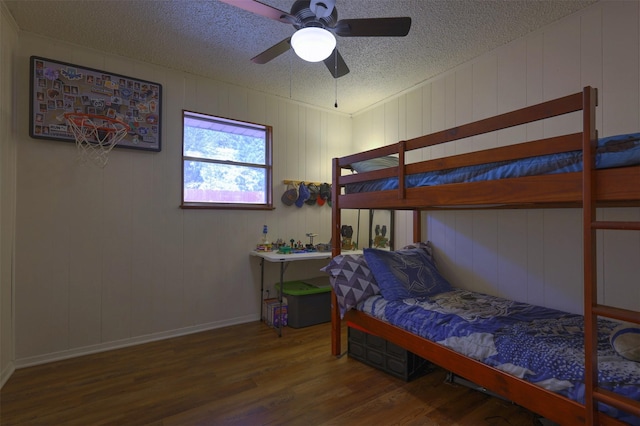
(373, 27)
(272, 52)
(341, 69)
(262, 9)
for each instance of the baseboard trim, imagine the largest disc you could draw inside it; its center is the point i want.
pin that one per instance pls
(6, 373)
(103, 347)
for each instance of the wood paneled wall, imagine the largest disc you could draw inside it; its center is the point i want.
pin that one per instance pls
(535, 255)
(105, 257)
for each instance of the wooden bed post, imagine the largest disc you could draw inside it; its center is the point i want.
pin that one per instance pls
(592, 308)
(417, 226)
(402, 191)
(336, 322)
(589, 264)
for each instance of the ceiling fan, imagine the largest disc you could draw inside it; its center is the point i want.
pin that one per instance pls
(316, 22)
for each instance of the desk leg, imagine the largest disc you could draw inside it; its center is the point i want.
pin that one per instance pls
(261, 288)
(280, 297)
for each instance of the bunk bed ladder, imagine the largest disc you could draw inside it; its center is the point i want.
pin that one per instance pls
(592, 308)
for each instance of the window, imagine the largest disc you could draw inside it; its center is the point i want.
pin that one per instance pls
(225, 163)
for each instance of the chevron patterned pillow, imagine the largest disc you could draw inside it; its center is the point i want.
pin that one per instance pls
(351, 279)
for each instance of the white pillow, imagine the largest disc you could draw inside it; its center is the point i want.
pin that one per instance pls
(375, 164)
(625, 339)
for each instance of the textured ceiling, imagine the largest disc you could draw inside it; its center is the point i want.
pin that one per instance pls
(217, 40)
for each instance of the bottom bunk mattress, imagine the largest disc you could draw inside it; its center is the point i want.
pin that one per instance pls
(540, 345)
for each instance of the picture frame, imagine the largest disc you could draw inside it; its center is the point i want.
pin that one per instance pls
(381, 223)
(59, 87)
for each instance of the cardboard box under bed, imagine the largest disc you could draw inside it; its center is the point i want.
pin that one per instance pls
(308, 301)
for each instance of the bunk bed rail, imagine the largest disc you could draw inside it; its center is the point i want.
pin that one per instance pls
(615, 186)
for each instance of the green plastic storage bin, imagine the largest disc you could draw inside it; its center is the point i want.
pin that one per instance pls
(309, 301)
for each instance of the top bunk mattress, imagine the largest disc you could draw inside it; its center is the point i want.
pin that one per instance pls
(611, 152)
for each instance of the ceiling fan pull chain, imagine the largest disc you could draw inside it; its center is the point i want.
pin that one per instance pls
(335, 105)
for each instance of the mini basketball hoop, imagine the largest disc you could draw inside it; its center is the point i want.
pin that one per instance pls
(96, 135)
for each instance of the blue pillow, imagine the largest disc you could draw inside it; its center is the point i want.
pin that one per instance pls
(425, 246)
(405, 274)
(618, 151)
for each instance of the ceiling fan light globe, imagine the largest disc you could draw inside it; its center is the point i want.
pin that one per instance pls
(313, 44)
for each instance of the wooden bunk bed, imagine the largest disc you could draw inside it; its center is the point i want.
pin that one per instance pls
(588, 188)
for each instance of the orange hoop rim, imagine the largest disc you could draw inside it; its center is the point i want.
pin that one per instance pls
(79, 118)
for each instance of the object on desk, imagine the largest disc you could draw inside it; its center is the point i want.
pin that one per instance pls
(380, 240)
(381, 229)
(284, 250)
(264, 244)
(308, 304)
(323, 247)
(347, 244)
(264, 247)
(347, 233)
(311, 235)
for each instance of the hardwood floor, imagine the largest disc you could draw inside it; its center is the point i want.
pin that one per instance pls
(240, 375)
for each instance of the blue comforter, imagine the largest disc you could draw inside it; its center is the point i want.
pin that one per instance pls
(541, 345)
(613, 151)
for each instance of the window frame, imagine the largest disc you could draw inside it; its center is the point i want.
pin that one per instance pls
(267, 166)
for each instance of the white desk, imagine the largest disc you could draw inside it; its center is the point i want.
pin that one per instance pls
(283, 260)
(275, 257)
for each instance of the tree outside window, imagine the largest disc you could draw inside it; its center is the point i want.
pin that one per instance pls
(226, 163)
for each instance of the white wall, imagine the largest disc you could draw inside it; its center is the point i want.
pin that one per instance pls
(105, 257)
(8, 44)
(533, 255)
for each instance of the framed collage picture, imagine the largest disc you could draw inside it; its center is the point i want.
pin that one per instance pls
(57, 88)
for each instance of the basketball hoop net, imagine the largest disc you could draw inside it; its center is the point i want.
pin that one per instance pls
(96, 135)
